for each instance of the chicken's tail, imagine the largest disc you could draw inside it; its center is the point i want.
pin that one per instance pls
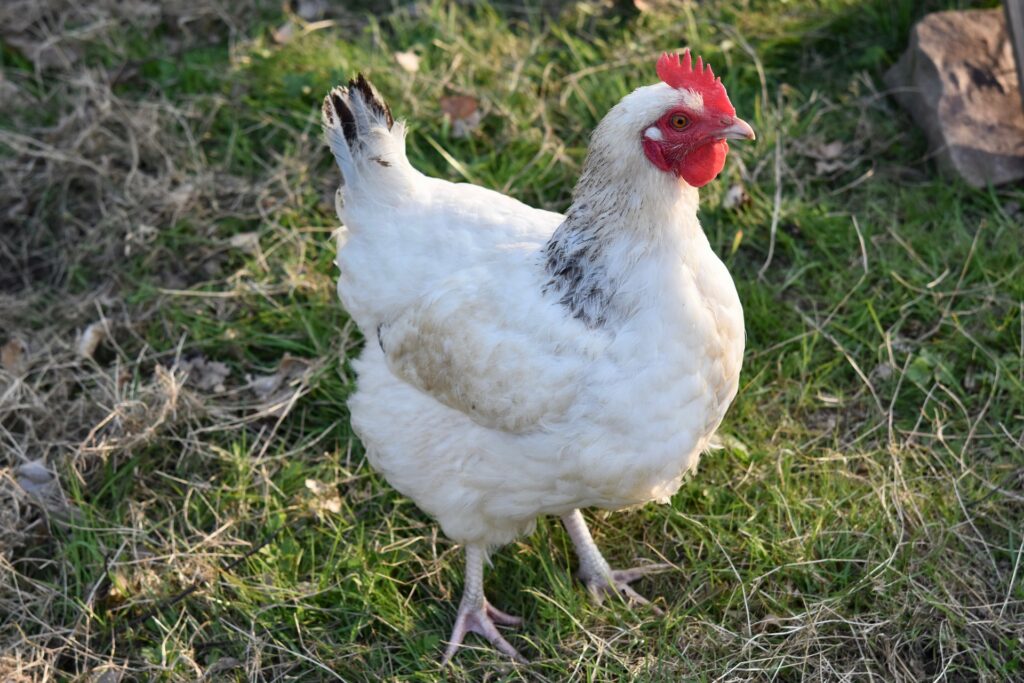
(365, 139)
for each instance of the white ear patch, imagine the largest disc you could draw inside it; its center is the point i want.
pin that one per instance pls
(653, 133)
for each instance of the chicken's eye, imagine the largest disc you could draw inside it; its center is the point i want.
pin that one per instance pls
(678, 121)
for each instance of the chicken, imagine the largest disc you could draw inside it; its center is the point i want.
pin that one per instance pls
(521, 362)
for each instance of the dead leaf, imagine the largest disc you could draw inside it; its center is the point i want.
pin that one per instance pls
(882, 372)
(248, 242)
(829, 157)
(325, 496)
(289, 368)
(828, 167)
(277, 392)
(107, 674)
(34, 475)
(735, 197)
(204, 374)
(43, 487)
(459, 106)
(832, 150)
(410, 61)
(12, 356)
(91, 338)
(283, 33)
(180, 196)
(311, 10)
(139, 236)
(464, 113)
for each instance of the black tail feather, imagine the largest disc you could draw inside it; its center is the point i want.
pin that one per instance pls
(339, 99)
(353, 116)
(372, 98)
(348, 120)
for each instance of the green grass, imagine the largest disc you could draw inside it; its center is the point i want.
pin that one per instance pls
(864, 521)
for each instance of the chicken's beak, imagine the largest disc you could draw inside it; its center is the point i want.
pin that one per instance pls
(735, 129)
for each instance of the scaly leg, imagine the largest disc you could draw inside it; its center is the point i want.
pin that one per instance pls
(600, 579)
(476, 615)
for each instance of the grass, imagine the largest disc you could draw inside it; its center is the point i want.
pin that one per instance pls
(864, 521)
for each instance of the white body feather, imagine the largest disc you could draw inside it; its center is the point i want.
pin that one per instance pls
(480, 396)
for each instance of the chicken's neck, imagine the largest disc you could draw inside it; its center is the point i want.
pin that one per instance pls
(616, 224)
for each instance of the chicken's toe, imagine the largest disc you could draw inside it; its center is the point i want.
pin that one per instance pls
(600, 579)
(482, 620)
(476, 614)
(616, 582)
(501, 618)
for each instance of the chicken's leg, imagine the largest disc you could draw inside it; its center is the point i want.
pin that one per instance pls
(476, 615)
(601, 579)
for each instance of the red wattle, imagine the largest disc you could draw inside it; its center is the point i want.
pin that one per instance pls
(702, 165)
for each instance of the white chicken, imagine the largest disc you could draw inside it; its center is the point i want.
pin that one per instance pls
(523, 363)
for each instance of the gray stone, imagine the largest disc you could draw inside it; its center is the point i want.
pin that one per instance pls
(959, 82)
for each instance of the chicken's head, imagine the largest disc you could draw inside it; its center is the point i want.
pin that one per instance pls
(688, 120)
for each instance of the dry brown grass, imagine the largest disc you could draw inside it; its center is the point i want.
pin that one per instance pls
(85, 176)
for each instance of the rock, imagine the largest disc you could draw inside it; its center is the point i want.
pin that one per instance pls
(959, 81)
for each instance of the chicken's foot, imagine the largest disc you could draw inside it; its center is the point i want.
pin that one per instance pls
(476, 615)
(599, 578)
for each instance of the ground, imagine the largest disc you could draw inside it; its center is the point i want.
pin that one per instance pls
(183, 498)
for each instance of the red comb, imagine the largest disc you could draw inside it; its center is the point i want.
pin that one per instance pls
(680, 73)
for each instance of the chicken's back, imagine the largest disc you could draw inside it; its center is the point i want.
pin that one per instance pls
(404, 231)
